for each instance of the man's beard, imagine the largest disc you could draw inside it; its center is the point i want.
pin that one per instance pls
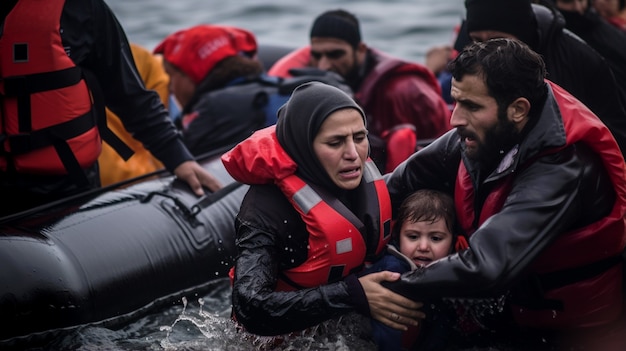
(498, 141)
(353, 77)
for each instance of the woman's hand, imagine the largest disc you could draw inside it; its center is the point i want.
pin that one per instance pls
(388, 307)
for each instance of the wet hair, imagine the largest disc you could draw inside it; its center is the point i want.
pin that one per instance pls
(426, 205)
(509, 68)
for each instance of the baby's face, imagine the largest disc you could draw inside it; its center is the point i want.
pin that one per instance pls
(425, 241)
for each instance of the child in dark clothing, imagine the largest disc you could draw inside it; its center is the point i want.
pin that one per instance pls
(423, 232)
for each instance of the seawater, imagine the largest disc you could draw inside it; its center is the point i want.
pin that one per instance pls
(404, 28)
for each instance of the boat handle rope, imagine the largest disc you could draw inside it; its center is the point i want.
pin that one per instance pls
(211, 198)
(204, 202)
(186, 211)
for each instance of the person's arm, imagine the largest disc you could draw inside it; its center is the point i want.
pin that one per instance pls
(544, 202)
(142, 112)
(261, 254)
(263, 311)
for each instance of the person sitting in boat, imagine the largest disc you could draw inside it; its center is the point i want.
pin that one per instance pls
(63, 61)
(316, 211)
(538, 183)
(424, 231)
(570, 62)
(402, 100)
(219, 81)
(113, 168)
(208, 67)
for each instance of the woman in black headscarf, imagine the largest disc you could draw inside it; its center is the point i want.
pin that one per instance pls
(317, 210)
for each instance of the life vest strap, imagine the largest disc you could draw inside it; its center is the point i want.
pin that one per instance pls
(26, 142)
(99, 107)
(35, 83)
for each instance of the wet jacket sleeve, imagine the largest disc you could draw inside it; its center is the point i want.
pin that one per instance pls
(546, 200)
(261, 253)
(263, 311)
(98, 43)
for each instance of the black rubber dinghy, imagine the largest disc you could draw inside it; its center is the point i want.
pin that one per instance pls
(108, 257)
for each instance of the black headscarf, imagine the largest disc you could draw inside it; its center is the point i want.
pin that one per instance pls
(299, 121)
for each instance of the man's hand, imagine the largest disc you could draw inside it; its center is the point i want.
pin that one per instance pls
(388, 307)
(196, 176)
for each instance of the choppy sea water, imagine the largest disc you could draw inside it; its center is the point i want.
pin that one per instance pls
(404, 28)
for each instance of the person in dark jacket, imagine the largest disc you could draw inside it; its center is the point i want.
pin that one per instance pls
(570, 62)
(538, 183)
(208, 67)
(402, 100)
(216, 77)
(62, 62)
(316, 211)
(610, 42)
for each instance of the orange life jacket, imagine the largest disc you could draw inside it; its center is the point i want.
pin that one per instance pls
(47, 120)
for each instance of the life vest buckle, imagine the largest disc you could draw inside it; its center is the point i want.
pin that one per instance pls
(16, 86)
(19, 143)
(3, 138)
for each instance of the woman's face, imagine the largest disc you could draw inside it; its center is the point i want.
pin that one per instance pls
(342, 147)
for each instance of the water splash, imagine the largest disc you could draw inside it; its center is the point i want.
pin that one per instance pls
(197, 328)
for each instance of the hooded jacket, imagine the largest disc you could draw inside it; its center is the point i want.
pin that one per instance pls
(608, 41)
(574, 65)
(559, 189)
(274, 238)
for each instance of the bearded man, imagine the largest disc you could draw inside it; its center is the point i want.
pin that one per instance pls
(538, 183)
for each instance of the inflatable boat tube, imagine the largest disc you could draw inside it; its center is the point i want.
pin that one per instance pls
(109, 258)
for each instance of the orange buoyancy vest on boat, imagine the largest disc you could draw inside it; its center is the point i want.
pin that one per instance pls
(47, 121)
(581, 270)
(339, 242)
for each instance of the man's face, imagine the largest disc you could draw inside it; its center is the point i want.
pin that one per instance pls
(331, 54)
(484, 129)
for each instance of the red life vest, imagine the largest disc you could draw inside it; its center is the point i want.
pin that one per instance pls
(588, 301)
(337, 238)
(47, 120)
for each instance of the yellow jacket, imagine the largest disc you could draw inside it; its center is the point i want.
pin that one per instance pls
(113, 168)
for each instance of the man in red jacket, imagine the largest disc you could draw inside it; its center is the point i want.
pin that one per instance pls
(402, 100)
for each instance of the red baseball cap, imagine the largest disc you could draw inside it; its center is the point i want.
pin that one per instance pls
(196, 50)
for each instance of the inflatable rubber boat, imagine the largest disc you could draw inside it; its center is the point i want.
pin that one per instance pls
(112, 255)
(108, 257)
